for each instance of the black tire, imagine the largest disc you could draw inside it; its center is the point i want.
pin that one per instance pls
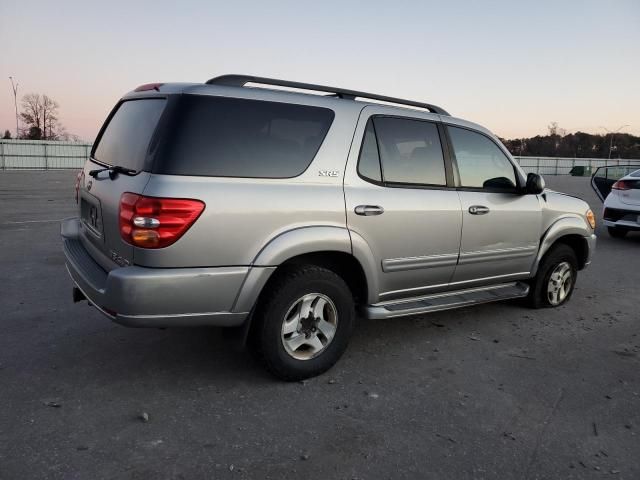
(286, 289)
(538, 294)
(617, 232)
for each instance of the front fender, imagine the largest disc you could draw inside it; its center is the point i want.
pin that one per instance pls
(568, 225)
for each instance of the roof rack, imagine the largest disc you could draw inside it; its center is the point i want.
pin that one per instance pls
(242, 80)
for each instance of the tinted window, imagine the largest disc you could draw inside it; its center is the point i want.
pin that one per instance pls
(481, 163)
(229, 137)
(126, 139)
(369, 163)
(410, 151)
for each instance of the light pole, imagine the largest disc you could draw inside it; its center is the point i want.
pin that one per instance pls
(612, 133)
(14, 86)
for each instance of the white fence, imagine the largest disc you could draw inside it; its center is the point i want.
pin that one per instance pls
(564, 166)
(39, 155)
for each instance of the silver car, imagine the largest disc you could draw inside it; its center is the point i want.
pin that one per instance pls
(283, 213)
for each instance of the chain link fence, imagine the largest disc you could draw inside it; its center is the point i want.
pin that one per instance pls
(45, 155)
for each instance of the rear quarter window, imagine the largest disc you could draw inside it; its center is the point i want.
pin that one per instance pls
(125, 139)
(230, 137)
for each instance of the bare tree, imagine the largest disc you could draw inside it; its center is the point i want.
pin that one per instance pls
(49, 118)
(31, 113)
(40, 115)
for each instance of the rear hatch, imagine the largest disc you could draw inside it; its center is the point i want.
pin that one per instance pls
(126, 140)
(631, 193)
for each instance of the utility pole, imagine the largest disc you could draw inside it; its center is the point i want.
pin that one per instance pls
(14, 86)
(612, 133)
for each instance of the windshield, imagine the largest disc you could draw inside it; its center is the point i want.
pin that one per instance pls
(126, 139)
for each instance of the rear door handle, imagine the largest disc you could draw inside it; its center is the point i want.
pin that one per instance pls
(368, 210)
(478, 210)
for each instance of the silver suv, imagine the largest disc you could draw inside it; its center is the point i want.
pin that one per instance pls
(283, 212)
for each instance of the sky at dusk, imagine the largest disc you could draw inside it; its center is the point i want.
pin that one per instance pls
(511, 66)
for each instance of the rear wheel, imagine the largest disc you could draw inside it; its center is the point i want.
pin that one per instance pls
(556, 278)
(617, 232)
(303, 323)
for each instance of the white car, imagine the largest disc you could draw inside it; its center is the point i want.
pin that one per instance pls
(621, 198)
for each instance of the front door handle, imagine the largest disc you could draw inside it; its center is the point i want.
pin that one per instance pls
(478, 210)
(368, 210)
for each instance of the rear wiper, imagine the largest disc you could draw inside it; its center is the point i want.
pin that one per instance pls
(113, 171)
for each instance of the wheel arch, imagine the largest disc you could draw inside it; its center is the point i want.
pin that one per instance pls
(571, 231)
(324, 246)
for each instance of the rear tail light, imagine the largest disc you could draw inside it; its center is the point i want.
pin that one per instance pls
(622, 185)
(152, 222)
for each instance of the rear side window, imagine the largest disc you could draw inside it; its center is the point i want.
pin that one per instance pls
(369, 162)
(481, 163)
(125, 140)
(231, 137)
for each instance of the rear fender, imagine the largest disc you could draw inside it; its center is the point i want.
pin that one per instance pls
(281, 248)
(300, 241)
(362, 252)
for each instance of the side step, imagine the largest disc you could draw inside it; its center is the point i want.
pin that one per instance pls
(447, 300)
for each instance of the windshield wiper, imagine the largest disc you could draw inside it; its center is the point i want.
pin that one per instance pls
(113, 171)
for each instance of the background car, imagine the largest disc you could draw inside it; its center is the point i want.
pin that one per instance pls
(619, 188)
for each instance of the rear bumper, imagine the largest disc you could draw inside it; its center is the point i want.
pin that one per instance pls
(622, 218)
(622, 224)
(621, 215)
(155, 297)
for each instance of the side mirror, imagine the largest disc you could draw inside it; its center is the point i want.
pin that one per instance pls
(535, 184)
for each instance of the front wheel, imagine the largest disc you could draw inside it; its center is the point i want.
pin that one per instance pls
(556, 278)
(303, 323)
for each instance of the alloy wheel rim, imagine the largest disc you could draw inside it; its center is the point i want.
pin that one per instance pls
(309, 326)
(560, 283)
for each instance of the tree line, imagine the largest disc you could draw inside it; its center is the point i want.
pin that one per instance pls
(557, 143)
(40, 119)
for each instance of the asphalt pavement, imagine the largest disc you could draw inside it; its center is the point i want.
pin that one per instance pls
(494, 391)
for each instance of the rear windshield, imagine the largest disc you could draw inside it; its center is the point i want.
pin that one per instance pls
(230, 137)
(126, 139)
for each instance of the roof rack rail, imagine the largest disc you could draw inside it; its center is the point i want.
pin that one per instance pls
(241, 80)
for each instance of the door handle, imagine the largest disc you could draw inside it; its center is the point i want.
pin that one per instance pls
(368, 210)
(478, 210)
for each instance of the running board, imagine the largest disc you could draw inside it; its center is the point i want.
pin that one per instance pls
(447, 300)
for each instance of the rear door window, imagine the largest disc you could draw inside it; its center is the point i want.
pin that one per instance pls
(126, 138)
(410, 151)
(231, 137)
